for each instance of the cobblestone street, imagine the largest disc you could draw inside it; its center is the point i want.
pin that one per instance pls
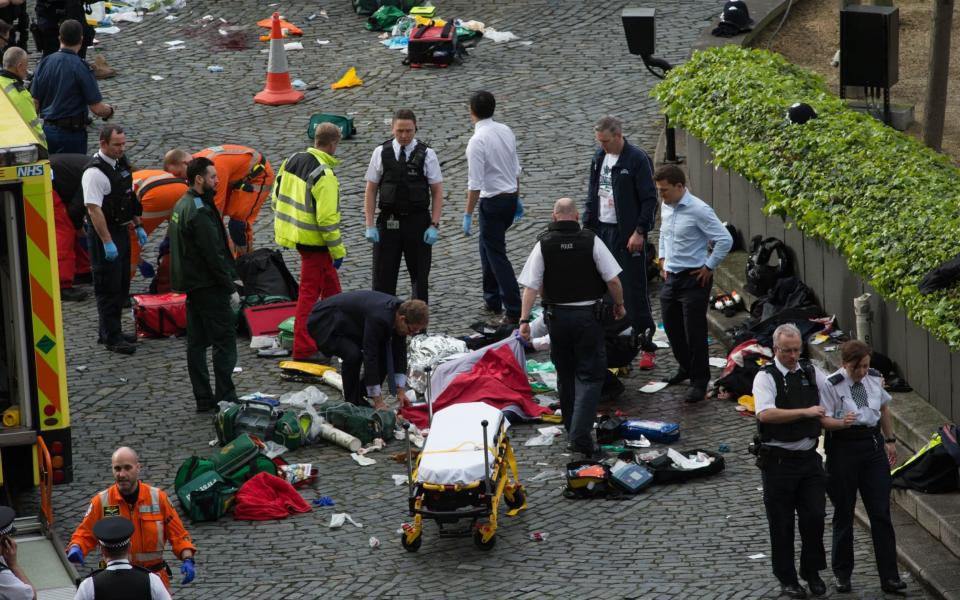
(569, 66)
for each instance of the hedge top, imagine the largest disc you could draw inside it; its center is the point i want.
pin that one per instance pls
(890, 205)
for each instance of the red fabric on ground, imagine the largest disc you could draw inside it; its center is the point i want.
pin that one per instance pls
(318, 280)
(264, 497)
(66, 242)
(497, 379)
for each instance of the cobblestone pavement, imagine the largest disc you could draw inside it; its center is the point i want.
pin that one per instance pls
(569, 67)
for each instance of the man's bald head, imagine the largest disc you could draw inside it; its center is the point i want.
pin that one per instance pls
(126, 469)
(565, 209)
(126, 453)
(175, 162)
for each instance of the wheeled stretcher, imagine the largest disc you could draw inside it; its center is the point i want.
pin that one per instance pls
(464, 470)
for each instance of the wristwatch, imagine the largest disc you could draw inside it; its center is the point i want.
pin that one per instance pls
(524, 321)
(890, 440)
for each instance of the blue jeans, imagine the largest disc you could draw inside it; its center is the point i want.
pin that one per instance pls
(65, 141)
(500, 288)
(634, 280)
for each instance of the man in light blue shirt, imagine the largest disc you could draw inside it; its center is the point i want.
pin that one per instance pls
(687, 226)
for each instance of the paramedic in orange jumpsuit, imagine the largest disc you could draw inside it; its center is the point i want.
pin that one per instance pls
(158, 191)
(155, 521)
(244, 181)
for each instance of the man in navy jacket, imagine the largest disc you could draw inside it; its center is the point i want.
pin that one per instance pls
(621, 209)
(368, 328)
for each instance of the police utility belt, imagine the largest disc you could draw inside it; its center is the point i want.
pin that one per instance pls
(77, 123)
(853, 433)
(596, 307)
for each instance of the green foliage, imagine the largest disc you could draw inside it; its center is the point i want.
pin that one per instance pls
(887, 203)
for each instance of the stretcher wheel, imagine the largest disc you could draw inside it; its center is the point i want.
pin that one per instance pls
(411, 546)
(482, 545)
(519, 497)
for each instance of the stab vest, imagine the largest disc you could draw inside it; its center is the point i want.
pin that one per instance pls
(122, 584)
(404, 188)
(120, 205)
(796, 390)
(569, 271)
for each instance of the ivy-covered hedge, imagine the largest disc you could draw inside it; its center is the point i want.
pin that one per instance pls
(890, 205)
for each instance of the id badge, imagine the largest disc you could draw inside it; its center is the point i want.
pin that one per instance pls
(392, 224)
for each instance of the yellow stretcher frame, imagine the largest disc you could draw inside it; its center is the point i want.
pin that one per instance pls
(504, 479)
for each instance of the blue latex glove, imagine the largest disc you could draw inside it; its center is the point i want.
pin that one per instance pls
(430, 235)
(372, 234)
(75, 554)
(519, 214)
(188, 571)
(467, 221)
(141, 236)
(110, 251)
(337, 263)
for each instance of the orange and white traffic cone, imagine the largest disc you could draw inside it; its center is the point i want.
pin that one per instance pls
(278, 90)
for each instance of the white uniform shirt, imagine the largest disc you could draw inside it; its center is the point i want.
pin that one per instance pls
(96, 185)
(492, 163)
(837, 399)
(765, 397)
(532, 274)
(157, 590)
(11, 588)
(431, 166)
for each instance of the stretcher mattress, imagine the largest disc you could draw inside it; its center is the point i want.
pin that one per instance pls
(453, 452)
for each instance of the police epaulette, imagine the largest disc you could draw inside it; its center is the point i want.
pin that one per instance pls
(874, 372)
(836, 378)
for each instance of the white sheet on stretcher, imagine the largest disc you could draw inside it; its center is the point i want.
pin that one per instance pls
(453, 452)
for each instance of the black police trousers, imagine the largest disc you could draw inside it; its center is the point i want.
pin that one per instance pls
(860, 465)
(793, 484)
(406, 240)
(111, 280)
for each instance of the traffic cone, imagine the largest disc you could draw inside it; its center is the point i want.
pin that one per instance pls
(278, 89)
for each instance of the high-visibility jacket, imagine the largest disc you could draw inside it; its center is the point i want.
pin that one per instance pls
(155, 522)
(158, 191)
(20, 96)
(306, 203)
(245, 177)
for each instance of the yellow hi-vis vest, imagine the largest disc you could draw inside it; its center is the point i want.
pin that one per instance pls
(306, 203)
(20, 97)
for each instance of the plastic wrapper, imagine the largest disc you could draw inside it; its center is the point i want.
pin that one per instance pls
(429, 351)
(295, 473)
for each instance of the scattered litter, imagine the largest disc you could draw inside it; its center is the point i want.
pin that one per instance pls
(111, 29)
(756, 556)
(338, 519)
(82, 368)
(312, 16)
(323, 501)
(123, 380)
(374, 542)
(349, 79)
(323, 42)
(540, 440)
(223, 32)
(272, 449)
(363, 461)
(554, 430)
(538, 536)
(829, 348)
(170, 18)
(293, 46)
(207, 18)
(643, 442)
(237, 370)
(661, 343)
(219, 69)
(173, 43)
(527, 43)
(258, 341)
(399, 479)
(723, 449)
(541, 464)
(376, 444)
(299, 84)
(544, 400)
(139, 42)
(718, 362)
(836, 334)
(819, 339)
(653, 387)
(548, 475)
(396, 43)
(128, 16)
(213, 442)
(156, 77)
(323, 14)
(294, 473)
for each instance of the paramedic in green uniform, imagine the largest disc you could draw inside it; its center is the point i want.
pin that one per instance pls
(202, 267)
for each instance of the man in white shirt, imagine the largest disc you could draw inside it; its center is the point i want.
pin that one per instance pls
(112, 209)
(14, 584)
(119, 578)
(572, 268)
(493, 181)
(405, 173)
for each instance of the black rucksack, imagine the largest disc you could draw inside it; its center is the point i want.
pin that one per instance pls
(264, 273)
(761, 275)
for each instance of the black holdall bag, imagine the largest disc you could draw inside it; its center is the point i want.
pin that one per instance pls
(761, 275)
(264, 273)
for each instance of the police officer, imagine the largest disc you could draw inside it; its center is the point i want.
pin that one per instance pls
(14, 25)
(65, 89)
(11, 81)
(202, 266)
(14, 584)
(787, 397)
(572, 268)
(406, 174)
(861, 449)
(112, 209)
(119, 579)
(50, 16)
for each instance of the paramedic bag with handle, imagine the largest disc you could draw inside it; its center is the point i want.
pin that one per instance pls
(261, 419)
(432, 45)
(160, 315)
(362, 422)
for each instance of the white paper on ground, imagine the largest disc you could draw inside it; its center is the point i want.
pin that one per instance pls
(756, 556)
(111, 29)
(718, 362)
(338, 519)
(399, 479)
(553, 430)
(643, 442)
(540, 440)
(661, 343)
(363, 461)
(172, 43)
(156, 77)
(682, 462)
(293, 46)
(653, 386)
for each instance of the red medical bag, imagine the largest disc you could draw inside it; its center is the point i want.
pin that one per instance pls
(160, 315)
(432, 45)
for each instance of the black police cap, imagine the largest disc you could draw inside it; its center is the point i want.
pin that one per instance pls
(800, 113)
(113, 532)
(735, 16)
(6, 521)
(741, 6)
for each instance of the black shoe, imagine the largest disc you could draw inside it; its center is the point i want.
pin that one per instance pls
(491, 310)
(128, 303)
(793, 590)
(695, 394)
(205, 408)
(678, 377)
(129, 338)
(72, 295)
(843, 585)
(122, 347)
(893, 586)
(817, 586)
(318, 359)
